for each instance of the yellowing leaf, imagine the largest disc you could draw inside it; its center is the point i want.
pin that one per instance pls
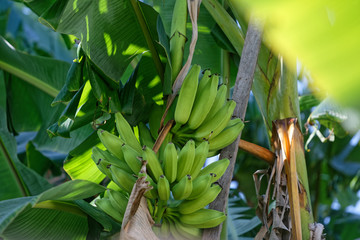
(323, 35)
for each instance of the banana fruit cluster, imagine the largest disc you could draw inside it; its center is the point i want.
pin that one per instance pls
(181, 186)
(203, 112)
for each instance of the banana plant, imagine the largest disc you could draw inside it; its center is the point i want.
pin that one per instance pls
(129, 61)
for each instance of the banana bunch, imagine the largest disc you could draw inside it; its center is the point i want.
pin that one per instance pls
(178, 180)
(181, 187)
(203, 112)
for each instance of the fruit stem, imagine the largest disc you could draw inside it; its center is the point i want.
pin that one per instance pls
(176, 127)
(161, 206)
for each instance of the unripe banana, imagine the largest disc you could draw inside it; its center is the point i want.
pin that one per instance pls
(188, 232)
(145, 136)
(190, 206)
(111, 142)
(185, 160)
(118, 200)
(227, 136)
(122, 178)
(131, 158)
(183, 188)
(98, 159)
(110, 159)
(204, 80)
(172, 212)
(213, 153)
(201, 153)
(153, 164)
(170, 162)
(218, 168)
(173, 230)
(219, 101)
(165, 229)
(200, 185)
(161, 151)
(163, 188)
(203, 218)
(187, 95)
(203, 102)
(212, 127)
(178, 37)
(126, 132)
(105, 205)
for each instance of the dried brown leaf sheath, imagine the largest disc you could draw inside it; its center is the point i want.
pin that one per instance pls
(287, 180)
(137, 223)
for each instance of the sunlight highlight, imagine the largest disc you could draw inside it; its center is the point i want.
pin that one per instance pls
(103, 8)
(109, 44)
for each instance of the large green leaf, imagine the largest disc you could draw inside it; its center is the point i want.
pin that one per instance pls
(41, 217)
(241, 219)
(39, 223)
(100, 25)
(46, 74)
(112, 33)
(16, 179)
(79, 164)
(322, 34)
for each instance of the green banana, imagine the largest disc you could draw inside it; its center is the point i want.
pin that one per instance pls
(102, 166)
(165, 229)
(187, 95)
(153, 163)
(190, 206)
(218, 102)
(105, 205)
(170, 211)
(204, 80)
(203, 102)
(213, 153)
(161, 151)
(163, 188)
(111, 142)
(218, 168)
(122, 178)
(131, 158)
(110, 159)
(188, 232)
(145, 136)
(178, 37)
(173, 230)
(170, 162)
(227, 136)
(118, 200)
(203, 218)
(126, 132)
(201, 153)
(200, 185)
(121, 163)
(212, 127)
(185, 160)
(183, 188)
